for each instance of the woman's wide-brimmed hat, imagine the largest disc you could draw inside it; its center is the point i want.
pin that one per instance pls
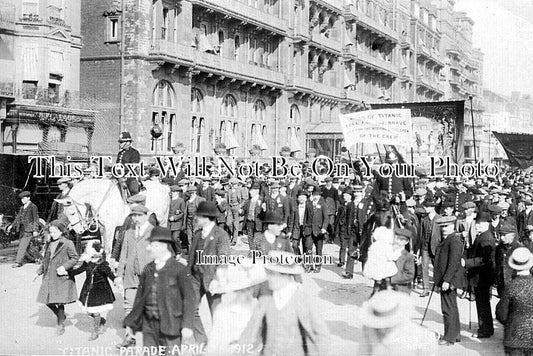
(385, 309)
(521, 259)
(243, 275)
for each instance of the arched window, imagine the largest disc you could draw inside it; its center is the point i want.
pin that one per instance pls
(164, 115)
(237, 46)
(259, 125)
(228, 117)
(295, 121)
(197, 121)
(295, 115)
(220, 41)
(259, 110)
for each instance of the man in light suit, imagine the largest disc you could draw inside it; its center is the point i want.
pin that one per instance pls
(27, 225)
(211, 241)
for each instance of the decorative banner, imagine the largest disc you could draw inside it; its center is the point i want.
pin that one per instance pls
(519, 148)
(438, 129)
(387, 126)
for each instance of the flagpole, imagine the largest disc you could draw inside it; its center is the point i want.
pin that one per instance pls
(473, 127)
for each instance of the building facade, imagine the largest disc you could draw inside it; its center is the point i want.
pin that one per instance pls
(40, 111)
(253, 73)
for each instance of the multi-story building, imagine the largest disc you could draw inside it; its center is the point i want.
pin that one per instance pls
(463, 71)
(253, 73)
(512, 114)
(39, 82)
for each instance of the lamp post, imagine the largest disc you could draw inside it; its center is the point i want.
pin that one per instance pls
(156, 132)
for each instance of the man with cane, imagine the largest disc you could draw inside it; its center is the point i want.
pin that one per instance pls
(447, 276)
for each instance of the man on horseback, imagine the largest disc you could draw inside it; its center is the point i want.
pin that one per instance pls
(128, 154)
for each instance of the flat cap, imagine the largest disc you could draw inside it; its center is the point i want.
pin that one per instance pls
(410, 202)
(446, 220)
(420, 191)
(275, 185)
(495, 209)
(328, 179)
(469, 205)
(64, 180)
(24, 194)
(448, 204)
(137, 199)
(507, 228)
(403, 233)
(504, 205)
(175, 188)
(139, 209)
(220, 192)
(357, 188)
(429, 203)
(192, 188)
(183, 181)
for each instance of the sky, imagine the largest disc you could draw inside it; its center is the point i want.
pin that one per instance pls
(504, 31)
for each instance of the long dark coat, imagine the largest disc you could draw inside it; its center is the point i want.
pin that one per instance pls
(481, 262)
(175, 298)
(447, 264)
(96, 290)
(58, 289)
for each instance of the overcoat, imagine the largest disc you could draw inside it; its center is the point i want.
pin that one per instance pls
(58, 289)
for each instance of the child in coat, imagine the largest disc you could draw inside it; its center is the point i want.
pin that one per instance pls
(96, 296)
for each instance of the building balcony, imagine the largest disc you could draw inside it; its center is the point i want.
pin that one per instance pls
(7, 18)
(405, 41)
(405, 75)
(212, 63)
(245, 13)
(376, 27)
(455, 66)
(334, 5)
(349, 13)
(325, 43)
(350, 52)
(308, 85)
(299, 33)
(428, 84)
(455, 50)
(377, 64)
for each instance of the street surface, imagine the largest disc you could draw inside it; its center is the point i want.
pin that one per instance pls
(29, 328)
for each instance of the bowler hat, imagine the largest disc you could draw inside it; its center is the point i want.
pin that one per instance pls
(161, 234)
(125, 136)
(231, 278)
(448, 204)
(256, 186)
(494, 209)
(272, 218)
(24, 194)
(429, 202)
(483, 217)
(207, 209)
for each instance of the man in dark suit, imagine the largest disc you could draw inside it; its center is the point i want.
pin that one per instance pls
(480, 266)
(26, 223)
(394, 185)
(128, 154)
(164, 304)
(206, 191)
(252, 215)
(295, 228)
(428, 239)
(64, 185)
(525, 217)
(276, 203)
(345, 224)
(447, 276)
(192, 200)
(213, 242)
(315, 225)
(330, 194)
(176, 219)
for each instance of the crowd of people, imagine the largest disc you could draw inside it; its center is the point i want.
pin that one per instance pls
(477, 234)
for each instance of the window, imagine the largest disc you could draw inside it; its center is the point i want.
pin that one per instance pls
(29, 89)
(229, 107)
(154, 21)
(237, 45)
(163, 114)
(164, 25)
(30, 7)
(258, 125)
(53, 92)
(175, 28)
(112, 29)
(197, 127)
(259, 111)
(220, 41)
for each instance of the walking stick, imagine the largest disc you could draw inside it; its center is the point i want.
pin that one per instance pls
(469, 313)
(427, 306)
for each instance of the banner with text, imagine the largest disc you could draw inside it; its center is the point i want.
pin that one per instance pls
(384, 126)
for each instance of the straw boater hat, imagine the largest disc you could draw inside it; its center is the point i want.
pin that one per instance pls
(283, 268)
(385, 309)
(241, 276)
(521, 259)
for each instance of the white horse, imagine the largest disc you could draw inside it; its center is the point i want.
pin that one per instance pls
(103, 198)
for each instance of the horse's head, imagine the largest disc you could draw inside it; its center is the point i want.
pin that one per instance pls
(77, 214)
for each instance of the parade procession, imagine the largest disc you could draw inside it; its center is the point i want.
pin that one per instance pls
(267, 177)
